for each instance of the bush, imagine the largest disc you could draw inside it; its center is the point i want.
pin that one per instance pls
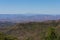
(7, 37)
(51, 35)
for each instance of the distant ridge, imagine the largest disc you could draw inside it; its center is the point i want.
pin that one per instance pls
(28, 17)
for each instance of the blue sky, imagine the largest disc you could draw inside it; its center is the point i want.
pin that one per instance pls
(29, 6)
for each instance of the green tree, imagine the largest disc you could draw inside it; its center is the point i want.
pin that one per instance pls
(51, 35)
(2, 36)
(6, 37)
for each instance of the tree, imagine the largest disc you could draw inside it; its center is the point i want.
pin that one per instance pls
(7, 37)
(51, 35)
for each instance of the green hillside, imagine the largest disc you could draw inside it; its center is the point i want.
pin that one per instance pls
(32, 30)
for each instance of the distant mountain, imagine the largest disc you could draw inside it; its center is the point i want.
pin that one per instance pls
(27, 17)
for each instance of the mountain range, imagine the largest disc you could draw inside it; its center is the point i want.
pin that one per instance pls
(27, 17)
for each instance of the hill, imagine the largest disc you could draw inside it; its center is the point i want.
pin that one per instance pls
(31, 30)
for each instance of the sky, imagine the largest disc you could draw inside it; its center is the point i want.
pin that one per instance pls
(29, 6)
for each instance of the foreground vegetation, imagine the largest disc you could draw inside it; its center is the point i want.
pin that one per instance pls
(48, 30)
(7, 37)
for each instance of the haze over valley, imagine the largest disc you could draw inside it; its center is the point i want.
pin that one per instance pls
(27, 17)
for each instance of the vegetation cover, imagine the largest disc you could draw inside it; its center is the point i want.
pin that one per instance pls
(47, 30)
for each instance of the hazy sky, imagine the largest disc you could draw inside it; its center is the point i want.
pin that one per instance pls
(29, 6)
